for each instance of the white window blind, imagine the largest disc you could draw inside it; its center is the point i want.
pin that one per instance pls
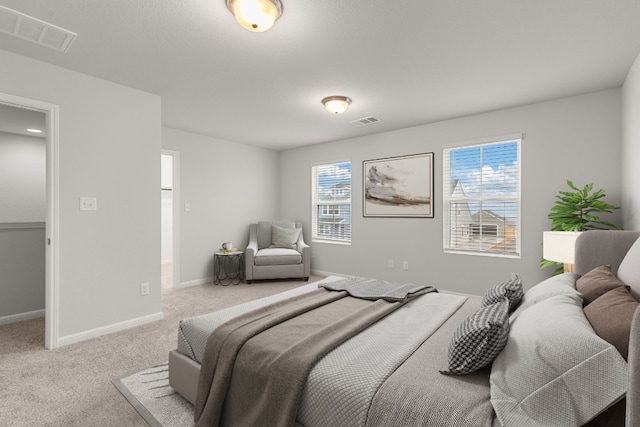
(331, 200)
(482, 198)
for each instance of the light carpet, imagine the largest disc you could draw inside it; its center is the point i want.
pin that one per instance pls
(150, 394)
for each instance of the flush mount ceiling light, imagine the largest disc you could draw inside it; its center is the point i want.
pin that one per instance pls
(33, 130)
(336, 104)
(255, 15)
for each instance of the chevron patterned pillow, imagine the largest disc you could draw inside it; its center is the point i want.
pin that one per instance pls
(479, 339)
(511, 289)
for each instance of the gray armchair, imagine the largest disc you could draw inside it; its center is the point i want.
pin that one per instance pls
(264, 261)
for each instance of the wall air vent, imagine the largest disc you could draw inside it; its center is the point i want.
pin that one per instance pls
(34, 30)
(365, 121)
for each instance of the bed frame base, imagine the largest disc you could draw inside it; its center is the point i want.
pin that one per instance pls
(183, 375)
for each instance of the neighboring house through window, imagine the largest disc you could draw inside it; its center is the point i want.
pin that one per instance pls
(482, 198)
(330, 210)
(331, 200)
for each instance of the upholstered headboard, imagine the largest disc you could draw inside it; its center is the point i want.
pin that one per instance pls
(598, 247)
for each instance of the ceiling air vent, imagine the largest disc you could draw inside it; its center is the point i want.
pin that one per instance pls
(34, 30)
(365, 121)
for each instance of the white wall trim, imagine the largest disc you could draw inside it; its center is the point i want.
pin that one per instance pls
(176, 216)
(13, 318)
(22, 225)
(109, 329)
(195, 282)
(329, 273)
(52, 248)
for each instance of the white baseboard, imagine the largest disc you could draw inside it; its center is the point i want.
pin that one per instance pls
(329, 273)
(194, 282)
(5, 320)
(109, 329)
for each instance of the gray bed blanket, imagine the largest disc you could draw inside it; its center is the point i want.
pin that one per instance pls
(373, 289)
(412, 395)
(341, 386)
(256, 365)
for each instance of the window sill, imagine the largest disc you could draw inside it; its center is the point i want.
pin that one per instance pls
(488, 254)
(331, 242)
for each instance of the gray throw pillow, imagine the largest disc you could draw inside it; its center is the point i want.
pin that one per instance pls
(284, 237)
(562, 284)
(555, 370)
(629, 270)
(479, 339)
(511, 289)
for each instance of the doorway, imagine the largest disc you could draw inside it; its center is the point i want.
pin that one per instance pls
(51, 225)
(170, 218)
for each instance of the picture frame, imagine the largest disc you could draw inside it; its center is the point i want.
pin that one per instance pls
(399, 186)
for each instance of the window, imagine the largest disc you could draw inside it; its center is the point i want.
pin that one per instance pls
(331, 199)
(482, 198)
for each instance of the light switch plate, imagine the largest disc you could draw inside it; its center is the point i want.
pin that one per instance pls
(88, 204)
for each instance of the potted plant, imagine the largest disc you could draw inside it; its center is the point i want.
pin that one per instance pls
(578, 210)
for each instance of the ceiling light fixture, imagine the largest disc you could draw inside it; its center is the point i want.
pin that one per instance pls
(255, 15)
(34, 130)
(336, 104)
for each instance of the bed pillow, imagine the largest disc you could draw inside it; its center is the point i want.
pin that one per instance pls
(596, 283)
(511, 289)
(629, 270)
(554, 361)
(611, 316)
(562, 284)
(284, 237)
(479, 339)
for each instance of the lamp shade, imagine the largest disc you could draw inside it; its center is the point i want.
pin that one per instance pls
(559, 246)
(336, 104)
(255, 15)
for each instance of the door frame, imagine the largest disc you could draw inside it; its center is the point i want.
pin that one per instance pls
(176, 215)
(52, 224)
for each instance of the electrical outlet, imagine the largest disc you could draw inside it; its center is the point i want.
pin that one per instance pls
(405, 265)
(390, 263)
(144, 289)
(88, 204)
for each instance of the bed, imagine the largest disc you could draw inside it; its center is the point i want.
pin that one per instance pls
(557, 361)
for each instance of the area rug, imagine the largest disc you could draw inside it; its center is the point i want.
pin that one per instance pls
(150, 394)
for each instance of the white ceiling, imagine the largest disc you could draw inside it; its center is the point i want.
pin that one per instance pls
(407, 62)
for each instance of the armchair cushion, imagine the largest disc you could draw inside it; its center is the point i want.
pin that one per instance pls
(264, 231)
(284, 237)
(277, 256)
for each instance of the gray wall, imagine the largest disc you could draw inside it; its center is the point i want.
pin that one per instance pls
(576, 138)
(22, 271)
(22, 178)
(631, 147)
(109, 146)
(228, 186)
(22, 219)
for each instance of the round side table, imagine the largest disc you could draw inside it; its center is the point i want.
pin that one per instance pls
(228, 268)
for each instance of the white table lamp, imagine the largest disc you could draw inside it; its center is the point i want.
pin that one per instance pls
(559, 246)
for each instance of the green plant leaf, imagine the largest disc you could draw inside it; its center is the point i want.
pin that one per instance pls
(545, 263)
